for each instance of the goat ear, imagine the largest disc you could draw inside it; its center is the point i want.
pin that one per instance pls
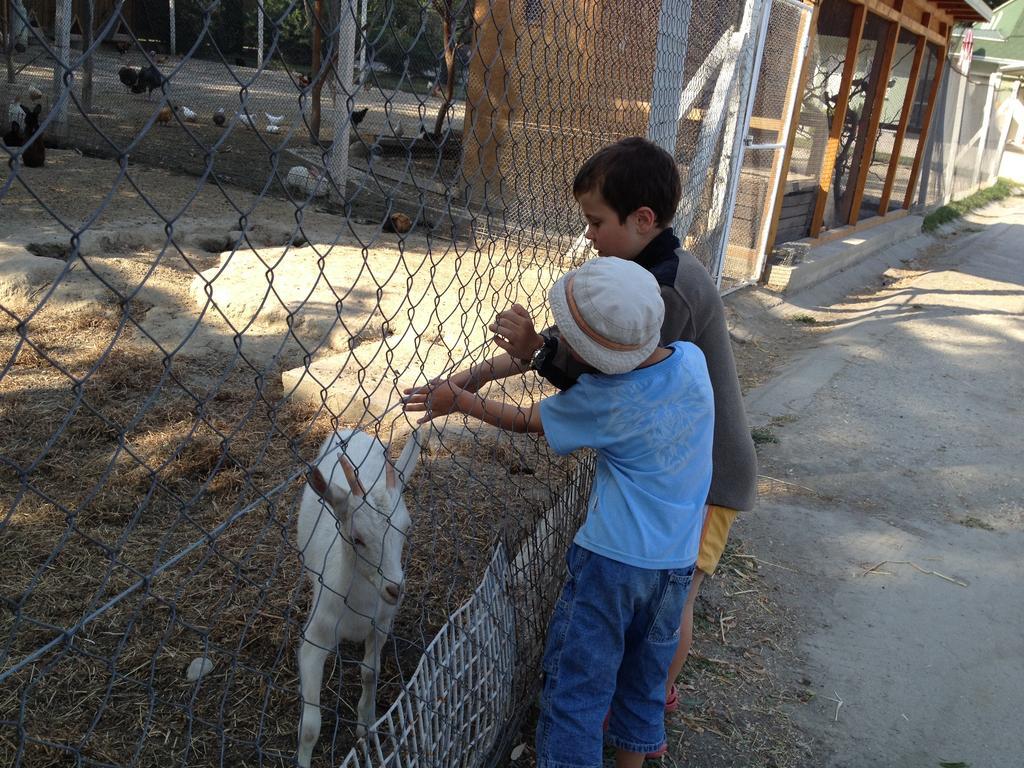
(334, 496)
(318, 484)
(351, 476)
(410, 457)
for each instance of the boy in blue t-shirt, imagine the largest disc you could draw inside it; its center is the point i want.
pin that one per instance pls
(649, 415)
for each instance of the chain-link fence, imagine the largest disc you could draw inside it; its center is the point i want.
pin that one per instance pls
(970, 128)
(771, 109)
(201, 283)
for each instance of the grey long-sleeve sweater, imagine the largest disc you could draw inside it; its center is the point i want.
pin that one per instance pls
(693, 312)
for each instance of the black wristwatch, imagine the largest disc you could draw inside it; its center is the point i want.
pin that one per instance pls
(542, 355)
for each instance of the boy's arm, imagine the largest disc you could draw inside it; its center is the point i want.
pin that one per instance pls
(503, 415)
(498, 367)
(440, 399)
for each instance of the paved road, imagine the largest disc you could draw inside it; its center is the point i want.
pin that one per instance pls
(906, 422)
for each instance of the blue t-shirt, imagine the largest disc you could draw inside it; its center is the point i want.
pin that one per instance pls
(652, 430)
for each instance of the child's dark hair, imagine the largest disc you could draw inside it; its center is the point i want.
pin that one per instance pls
(630, 174)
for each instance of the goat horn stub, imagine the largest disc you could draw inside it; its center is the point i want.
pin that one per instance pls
(351, 476)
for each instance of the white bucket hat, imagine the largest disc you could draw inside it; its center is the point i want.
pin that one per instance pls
(610, 312)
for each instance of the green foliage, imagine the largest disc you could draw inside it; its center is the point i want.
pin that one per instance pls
(805, 319)
(224, 28)
(293, 28)
(405, 34)
(1003, 188)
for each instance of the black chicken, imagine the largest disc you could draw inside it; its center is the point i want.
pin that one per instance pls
(123, 46)
(358, 115)
(128, 76)
(218, 117)
(14, 137)
(149, 80)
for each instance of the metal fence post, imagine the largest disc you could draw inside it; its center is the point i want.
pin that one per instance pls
(744, 110)
(990, 97)
(173, 31)
(954, 136)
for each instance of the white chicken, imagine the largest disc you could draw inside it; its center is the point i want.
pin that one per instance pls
(187, 114)
(273, 119)
(307, 181)
(247, 120)
(15, 114)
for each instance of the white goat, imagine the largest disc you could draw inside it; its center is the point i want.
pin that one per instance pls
(351, 537)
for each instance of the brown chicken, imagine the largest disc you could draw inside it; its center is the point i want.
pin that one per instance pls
(164, 116)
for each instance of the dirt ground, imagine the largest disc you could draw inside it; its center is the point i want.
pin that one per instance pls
(249, 157)
(144, 428)
(178, 418)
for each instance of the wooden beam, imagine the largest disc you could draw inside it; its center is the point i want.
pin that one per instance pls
(889, 13)
(787, 154)
(922, 139)
(901, 130)
(839, 233)
(828, 163)
(863, 158)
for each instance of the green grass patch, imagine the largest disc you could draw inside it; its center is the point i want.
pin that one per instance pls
(1003, 188)
(974, 522)
(805, 319)
(763, 435)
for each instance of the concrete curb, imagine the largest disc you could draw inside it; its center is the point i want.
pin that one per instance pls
(823, 262)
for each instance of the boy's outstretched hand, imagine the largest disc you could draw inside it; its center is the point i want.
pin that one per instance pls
(514, 332)
(438, 398)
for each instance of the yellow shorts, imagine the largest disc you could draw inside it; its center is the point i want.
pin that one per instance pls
(717, 523)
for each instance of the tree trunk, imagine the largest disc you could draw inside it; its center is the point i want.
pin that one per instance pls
(449, 60)
(314, 72)
(9, 39)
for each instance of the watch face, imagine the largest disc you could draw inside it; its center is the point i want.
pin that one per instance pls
(540, 356)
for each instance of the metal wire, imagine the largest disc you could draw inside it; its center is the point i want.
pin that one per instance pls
(219, 245)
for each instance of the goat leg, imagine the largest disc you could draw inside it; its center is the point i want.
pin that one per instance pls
(369, 673)
(318, 640)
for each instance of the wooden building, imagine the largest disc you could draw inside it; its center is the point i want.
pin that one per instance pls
(859, 129)
(42, 14)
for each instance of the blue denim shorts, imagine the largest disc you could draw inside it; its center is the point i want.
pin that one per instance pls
(611, 638)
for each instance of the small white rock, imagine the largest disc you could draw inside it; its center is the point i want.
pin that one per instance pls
(199, 668)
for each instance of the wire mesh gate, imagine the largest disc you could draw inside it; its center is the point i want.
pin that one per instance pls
(199, 283)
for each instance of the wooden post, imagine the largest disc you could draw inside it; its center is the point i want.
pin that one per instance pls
(901, 130)
(862, 158)
(926, 122)
(794, 122)
(173, 30)
(838, 119)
